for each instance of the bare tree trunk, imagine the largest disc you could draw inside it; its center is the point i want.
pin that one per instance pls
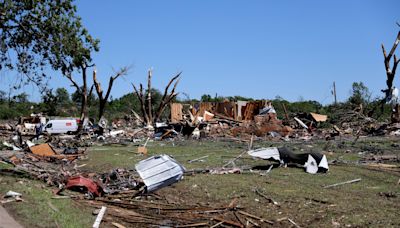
(103, 99)
(390, 74)
(149, 105)
(146, 107)
(168, 96)
(141, 97)
(84, 98)
(84, 94)
(102, 107)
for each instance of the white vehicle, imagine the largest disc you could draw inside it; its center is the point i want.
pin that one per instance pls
(61, 126)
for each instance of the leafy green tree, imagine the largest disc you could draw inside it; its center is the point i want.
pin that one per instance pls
(206, 98)
(360, 94)
(49, 103)
(76, 98)
(21, 98)
(41, 33)
(62, 96)
(239, 98)
(3, 97)
(56, 104)
(123, 105)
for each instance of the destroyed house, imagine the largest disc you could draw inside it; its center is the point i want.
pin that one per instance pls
(238, 111)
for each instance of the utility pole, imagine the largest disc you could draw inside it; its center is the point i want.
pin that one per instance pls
(334, 92)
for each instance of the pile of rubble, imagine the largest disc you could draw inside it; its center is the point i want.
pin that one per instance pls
(128, 195)
(230, 120)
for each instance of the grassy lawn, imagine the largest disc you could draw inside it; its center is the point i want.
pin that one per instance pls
(301, 196)
(39, 209)
(372, 202)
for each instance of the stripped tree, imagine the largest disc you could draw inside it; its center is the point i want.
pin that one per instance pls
(149, 116)
(103, 98)
(390, 73)
(83, 91)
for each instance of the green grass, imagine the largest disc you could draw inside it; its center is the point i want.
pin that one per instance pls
(104, 158)
(35, 211)
(300, 195)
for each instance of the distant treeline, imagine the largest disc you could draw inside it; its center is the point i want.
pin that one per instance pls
(60, 103)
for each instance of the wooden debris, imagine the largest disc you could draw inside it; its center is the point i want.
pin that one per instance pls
(291, 221)
(265, 197)
(7, 201)
(233, 203)
(42, 150)
(342, 183)
(317, 200)
(256, 217)
(117, 225)
(238, 217)
(193, 225)
(232, 223)
(197, 159)
(96, 223)
(252, 222)
(143, 149)
(240, 155)
(216, 225)
(52, 206)
(176, 112)
(318, 117)
(385, 167)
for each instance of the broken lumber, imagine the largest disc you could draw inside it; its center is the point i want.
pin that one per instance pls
(232, 223)
(96, 223)
(240, 155)
(295, 224)
(256, 217)
(197, 159)
(265, 197)
(193, 225)
(117, 225)
(216, 225)
(342, 183)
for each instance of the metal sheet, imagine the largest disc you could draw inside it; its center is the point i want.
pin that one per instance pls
(265, 153)
(159, 171)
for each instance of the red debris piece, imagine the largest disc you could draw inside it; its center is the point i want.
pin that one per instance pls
(82, 184)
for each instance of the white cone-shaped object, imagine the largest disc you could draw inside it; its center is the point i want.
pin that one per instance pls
(324, 163)
(311, 165)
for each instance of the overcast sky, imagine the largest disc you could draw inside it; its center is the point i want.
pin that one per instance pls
(259, 49)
